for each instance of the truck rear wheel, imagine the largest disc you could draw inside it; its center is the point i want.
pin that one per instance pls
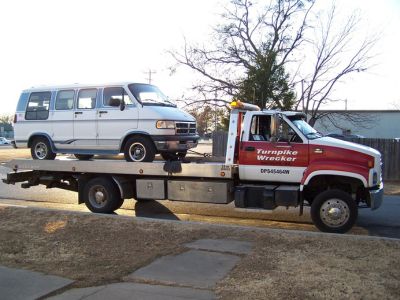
(139, 149)
(41, 149)
(101, 195)
(334, 211)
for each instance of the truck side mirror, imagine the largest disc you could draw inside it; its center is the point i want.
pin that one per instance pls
(274, 127)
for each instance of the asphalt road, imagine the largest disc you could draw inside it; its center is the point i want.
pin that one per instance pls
(383, 222)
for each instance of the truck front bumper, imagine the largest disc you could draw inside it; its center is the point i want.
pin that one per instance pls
(376, 197)
(175, 143)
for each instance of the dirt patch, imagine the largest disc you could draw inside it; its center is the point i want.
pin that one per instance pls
(392, 187)
(95, 250)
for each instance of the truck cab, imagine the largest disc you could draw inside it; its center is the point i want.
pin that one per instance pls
(281, 149)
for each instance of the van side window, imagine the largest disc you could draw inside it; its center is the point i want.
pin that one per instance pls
(115, 93)
(65, 100)
(38, 106)
(87, 99)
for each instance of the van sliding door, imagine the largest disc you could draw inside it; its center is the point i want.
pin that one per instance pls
(85, 120)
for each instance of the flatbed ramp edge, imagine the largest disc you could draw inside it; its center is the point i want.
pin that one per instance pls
(156, 168)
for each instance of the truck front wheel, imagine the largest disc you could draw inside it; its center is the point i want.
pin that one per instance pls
(102, 196)
(334, 211)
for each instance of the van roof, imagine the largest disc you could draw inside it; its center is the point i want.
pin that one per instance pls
(76, 86)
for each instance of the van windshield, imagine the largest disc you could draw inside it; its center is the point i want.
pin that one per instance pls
(148, 94)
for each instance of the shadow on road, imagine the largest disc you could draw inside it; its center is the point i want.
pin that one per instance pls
(153, 209)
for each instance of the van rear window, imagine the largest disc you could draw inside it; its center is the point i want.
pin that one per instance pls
(38, 106)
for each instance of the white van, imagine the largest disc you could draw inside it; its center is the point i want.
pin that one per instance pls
(132, 118)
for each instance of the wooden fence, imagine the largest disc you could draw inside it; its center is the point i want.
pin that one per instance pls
(389, 148)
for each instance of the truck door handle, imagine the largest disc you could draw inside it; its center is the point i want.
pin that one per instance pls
(78, 112)
(103, 112)
(249, 148)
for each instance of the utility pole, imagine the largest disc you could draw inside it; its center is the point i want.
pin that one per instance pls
(150, 72)
(215, 111)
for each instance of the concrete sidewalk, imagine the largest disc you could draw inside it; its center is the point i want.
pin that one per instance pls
(190, 275)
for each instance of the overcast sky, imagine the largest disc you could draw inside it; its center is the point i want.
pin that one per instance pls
(46, 42)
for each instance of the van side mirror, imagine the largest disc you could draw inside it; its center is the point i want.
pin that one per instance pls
(274, 127)
(122, 105)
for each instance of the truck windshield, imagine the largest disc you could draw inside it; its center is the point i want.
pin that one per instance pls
(148, 94)
(306, 129)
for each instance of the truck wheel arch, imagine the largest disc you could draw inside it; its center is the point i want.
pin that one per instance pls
(340, 174)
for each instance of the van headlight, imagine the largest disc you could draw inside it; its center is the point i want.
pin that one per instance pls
(165, 124)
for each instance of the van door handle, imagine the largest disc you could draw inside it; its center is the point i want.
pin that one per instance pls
(249, 148)
(103, 112)
(78, 113)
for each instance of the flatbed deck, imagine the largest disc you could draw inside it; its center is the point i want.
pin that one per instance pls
(156, 168)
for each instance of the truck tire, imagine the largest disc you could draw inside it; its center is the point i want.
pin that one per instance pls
(139, 149)
(334, 211)
(101, 195)
(83, 156)
(41, 149)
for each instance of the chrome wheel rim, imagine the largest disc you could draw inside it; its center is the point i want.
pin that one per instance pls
(98, 196)
(137, 152)
(335, 212)
(41, 150)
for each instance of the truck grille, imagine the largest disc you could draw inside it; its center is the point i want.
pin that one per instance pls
(186, 128)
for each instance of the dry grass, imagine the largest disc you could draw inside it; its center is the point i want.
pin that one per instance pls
(94, 250)
(392, 187)
(7, 153)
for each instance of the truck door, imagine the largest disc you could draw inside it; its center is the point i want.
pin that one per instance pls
(85, 123)
(113, 124)
(264, 159)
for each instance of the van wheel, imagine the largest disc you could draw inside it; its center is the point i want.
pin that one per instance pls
(83, 156)
(102, 196)
(41, 149)
(139, 149)
(334, 211)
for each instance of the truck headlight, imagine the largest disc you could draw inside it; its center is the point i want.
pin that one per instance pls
(165, 124)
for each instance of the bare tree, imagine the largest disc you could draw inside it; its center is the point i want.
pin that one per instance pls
(336, 57)
(251, 44)
(255, 45)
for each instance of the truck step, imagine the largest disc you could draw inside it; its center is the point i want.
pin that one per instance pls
(266, 196)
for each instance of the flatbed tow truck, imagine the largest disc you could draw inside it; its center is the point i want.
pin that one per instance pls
(273, 158)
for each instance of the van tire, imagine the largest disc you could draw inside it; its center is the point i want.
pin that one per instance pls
(83, 156)
(101, 195)
(41, 149)
(344, 211)
(139, 149)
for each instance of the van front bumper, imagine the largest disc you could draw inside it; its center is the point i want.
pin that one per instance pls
(376, 197)
(175, 142)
